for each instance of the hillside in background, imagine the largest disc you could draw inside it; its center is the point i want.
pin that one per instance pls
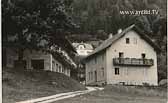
(24, 85)
(95, 15)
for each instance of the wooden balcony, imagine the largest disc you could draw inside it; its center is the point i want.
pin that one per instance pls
(133, 62)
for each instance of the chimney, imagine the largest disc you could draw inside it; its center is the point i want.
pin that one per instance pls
(110, 35)
(119, 31)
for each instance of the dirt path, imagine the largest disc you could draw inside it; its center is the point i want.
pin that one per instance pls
(60, 96)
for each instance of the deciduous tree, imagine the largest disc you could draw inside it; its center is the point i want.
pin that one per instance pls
(34, 24)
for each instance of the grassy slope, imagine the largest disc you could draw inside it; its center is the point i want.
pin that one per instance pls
(23, 85)
(121, 94)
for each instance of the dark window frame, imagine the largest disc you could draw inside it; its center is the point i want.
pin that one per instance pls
(102, 71)
(143, 55)
(121, 55)
(127, 40)
(117, 71)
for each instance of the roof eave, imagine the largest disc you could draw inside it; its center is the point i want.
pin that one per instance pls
(147, 38)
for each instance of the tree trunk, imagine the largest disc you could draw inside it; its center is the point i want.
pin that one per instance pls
(4, 47)
(4, 57)
(20, 63)
(20, 54)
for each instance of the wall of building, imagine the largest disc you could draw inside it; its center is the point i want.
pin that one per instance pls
(96, 64)
(28, 56)
(58, 67)
(38, 56)
(131, 74)
(83, 49)
(49, 61)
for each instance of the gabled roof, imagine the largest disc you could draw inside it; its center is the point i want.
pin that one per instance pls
(110, 41)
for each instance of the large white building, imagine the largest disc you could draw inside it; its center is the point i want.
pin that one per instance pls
(83, 49)
(127, 58)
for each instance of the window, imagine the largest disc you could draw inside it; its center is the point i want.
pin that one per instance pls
(81, 47)
(143, 55)
(63, 71)
(121, 55)
(95, 74)
(117, 71)
(127, 40)
(91, 75)
(102, 72)
(57, 68)
(88, 75)
(53, 66)
(95, 60)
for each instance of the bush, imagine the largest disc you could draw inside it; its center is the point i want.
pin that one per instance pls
(163, 83)
(146, 84)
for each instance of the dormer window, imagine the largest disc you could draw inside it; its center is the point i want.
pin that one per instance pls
(127, 40)
(81, 47)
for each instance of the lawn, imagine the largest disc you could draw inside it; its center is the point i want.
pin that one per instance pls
(29, 84)
(121, 94)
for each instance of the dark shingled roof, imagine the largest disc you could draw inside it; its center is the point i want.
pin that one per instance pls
(110, 41)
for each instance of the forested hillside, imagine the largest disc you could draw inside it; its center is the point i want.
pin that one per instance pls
(93, 15)
(97, 18)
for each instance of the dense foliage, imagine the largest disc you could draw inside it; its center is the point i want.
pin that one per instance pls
(93, 15)
(34, 24)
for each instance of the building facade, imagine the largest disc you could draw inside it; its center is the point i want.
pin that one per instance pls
(39, 60)
(83, 49)
(128, 58)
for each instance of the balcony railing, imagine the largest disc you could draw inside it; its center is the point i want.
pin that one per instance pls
(133, 61)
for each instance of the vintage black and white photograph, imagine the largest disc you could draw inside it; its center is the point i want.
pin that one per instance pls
(84, 51)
